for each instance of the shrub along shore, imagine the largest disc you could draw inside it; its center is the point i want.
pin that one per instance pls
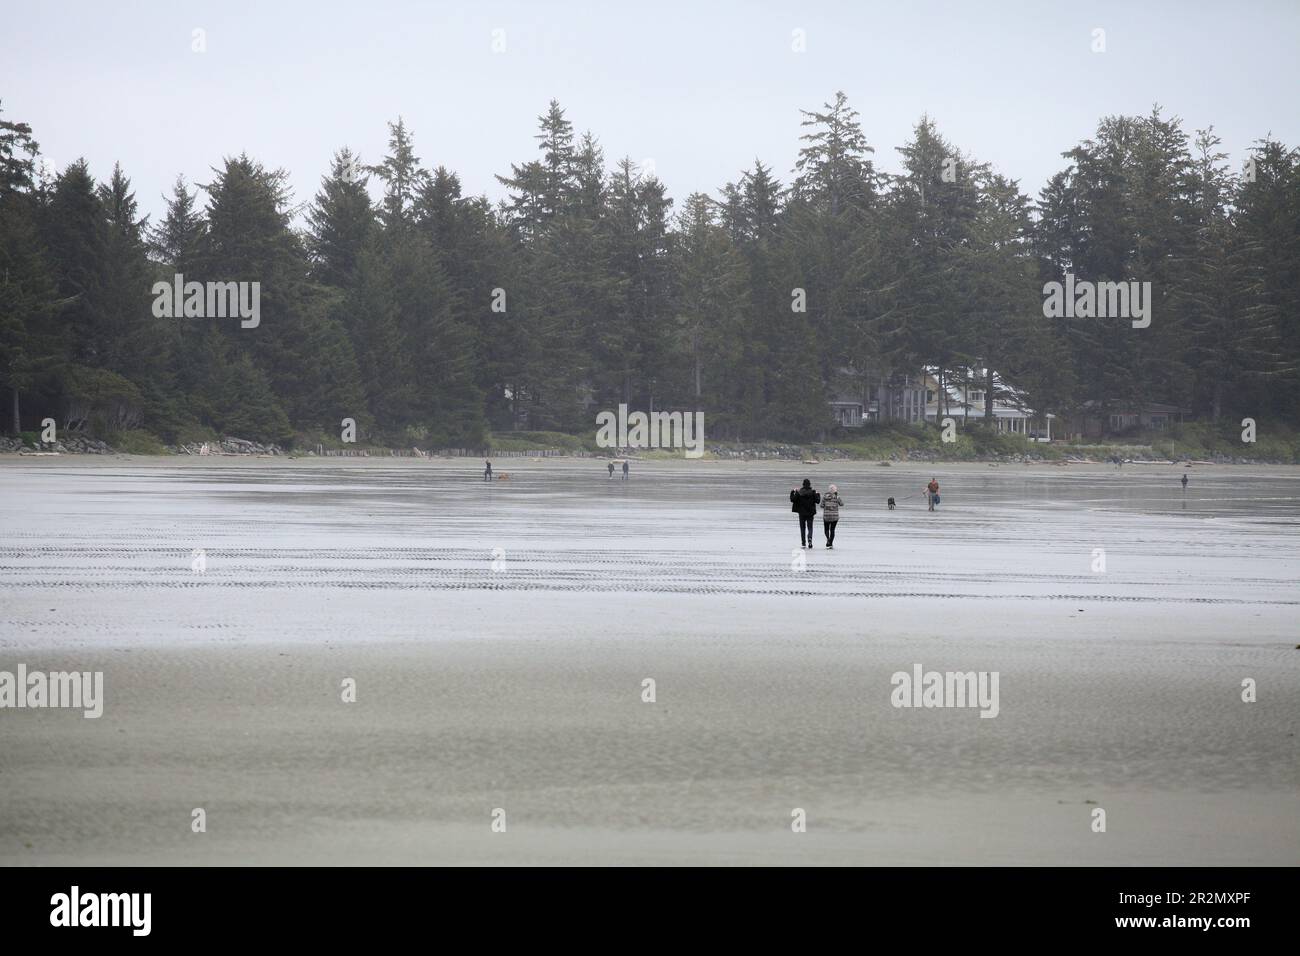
(883, 443)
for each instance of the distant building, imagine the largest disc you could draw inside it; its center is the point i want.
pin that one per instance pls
(1095, 420)
(858, 399)
(964, 394)
(848, 411)
(861, 397)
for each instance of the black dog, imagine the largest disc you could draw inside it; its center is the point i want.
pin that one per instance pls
(891, 504)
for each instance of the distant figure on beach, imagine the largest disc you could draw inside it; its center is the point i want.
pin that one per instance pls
(803, 502)
(625, 469)
(487, 471)
(1184, 481)
(611, 469)
(932, 493)
(831, 505)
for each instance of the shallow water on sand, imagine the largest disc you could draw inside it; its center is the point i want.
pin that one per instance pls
(130, 534)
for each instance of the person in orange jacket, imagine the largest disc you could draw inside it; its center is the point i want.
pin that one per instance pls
(932, 493)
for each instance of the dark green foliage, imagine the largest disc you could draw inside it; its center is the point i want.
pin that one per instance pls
(434, 318)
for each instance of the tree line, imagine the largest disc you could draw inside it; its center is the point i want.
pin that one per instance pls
(431, 317)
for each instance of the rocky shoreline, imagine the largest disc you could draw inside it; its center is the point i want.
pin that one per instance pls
(76, 445)
(227, 446)
(1134, 455)
(232, 446)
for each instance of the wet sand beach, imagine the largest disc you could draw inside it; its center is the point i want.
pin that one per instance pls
(499, 636)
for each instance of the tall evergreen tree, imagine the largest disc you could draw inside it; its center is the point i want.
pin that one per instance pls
(711, 306)
(177, 239)
(1220, 295)
(339, 221)
(29, 296)
(1267, 215)
(932, 208)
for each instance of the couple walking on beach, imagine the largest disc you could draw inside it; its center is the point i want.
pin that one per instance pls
(804, 502)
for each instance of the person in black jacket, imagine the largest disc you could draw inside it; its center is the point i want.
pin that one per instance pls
(804, 501)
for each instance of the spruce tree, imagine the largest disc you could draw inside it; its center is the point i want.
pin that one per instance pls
(29, 296)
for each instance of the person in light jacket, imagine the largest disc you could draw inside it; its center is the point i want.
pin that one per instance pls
(831, 505)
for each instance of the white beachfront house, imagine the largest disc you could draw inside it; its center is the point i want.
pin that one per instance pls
(900, 397)
(962, 397)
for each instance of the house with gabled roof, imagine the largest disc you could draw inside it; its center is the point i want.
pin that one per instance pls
(961, 394)
(858, 399)
(1096, 419)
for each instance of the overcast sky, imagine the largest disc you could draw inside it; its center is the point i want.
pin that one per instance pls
(701, 88)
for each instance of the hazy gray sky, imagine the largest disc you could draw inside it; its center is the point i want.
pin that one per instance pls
(699, 88)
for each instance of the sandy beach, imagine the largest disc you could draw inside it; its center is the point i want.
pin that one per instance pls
(499, 636)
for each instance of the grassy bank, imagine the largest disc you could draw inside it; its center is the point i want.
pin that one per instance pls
(1273, 443)
(891, 441)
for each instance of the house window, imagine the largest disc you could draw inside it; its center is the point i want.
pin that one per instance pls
(929, 396)
(976, 395)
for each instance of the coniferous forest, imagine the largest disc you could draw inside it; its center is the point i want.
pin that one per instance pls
(436, 318)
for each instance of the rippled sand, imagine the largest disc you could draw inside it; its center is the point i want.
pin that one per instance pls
(499, 635)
